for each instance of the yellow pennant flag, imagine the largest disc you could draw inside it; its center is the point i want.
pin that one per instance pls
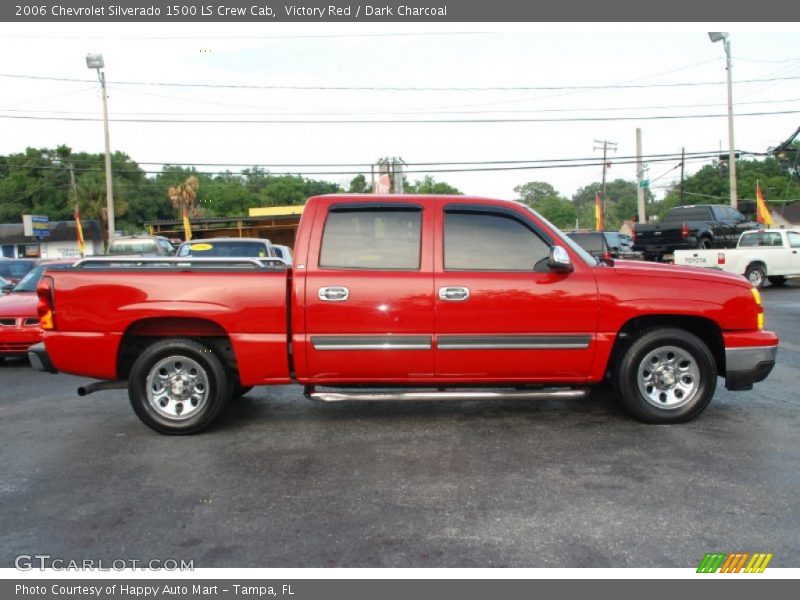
(187, 227)
(599, 224)
(763, 215)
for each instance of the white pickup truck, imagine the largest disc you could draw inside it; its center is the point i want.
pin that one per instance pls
(762, 255)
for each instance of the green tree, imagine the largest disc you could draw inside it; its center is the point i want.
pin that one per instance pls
(428, 185)
(359, 185)
(535, 191)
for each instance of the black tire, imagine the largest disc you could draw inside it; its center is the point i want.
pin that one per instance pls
(705, 243)
(650, 404)
(756, 274)
(777, 280)
(178, 357)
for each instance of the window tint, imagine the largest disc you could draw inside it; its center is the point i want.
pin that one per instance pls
(690, 213)
(490, 242)
(132, 247)
(592, 242)
(225, 249)
(762, 240)
(374, 238)
(794, 239)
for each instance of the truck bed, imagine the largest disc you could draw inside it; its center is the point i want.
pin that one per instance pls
(248, 306)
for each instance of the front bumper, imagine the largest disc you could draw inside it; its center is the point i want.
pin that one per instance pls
(748, 365)
(37, 355)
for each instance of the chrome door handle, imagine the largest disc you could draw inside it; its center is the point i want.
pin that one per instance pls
(336, 293)
(453, 293)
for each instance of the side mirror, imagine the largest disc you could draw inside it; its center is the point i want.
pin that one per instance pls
(559, 261)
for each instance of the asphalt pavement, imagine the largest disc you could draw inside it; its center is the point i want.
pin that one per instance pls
(285, 482)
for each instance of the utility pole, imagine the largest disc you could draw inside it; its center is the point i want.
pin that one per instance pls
(397, 174)
(683, 164)
(95, 61)
(640, 178)
(606, 146)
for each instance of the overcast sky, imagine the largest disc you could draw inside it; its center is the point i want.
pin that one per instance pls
(402, 56)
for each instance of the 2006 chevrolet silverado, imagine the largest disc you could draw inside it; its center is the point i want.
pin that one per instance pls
(423, 297)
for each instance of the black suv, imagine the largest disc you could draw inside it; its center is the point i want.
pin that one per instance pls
(605, 244)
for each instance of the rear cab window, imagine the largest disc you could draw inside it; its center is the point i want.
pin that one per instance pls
(690, 213)
(761, 240)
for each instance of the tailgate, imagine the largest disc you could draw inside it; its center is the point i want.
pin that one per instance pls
(698, 258)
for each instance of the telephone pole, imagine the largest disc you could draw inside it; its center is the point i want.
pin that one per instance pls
(683, 164)
(606, 146)
(640, 178)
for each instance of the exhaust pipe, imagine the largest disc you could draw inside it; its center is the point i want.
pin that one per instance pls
(99, 386)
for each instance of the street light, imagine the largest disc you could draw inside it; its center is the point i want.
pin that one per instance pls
(722, 36)
(95, 61)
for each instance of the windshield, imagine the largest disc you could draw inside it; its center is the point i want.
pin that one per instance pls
(15, 269)
(29, 282)
(585, 256)
(226, 249)
(132, 247)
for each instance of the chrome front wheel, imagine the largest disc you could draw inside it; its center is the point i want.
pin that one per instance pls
(665, 375)
(668, 377)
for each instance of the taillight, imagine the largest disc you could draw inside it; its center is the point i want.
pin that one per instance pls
(45, 308)
(759, 308)
(633, 233)
(721, 258)
(684, 231)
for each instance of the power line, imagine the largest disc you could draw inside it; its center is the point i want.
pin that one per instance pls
(505, 167)
(649, 157)
(403, 88)
(400, 112)
(401, 121)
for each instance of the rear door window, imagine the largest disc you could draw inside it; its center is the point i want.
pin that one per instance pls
(372, 238)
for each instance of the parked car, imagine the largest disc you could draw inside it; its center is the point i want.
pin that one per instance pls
(762, 255)
(284, 253)
(227, 247)
(14, 269)
(700, 226)
(465, 297)
(5, 284)
(141, 245)
(19, 322)
(604, 244)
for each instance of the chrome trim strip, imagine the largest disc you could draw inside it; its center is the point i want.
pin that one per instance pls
(542, 394)
(372, 342)
(747, 358)
(513, 342)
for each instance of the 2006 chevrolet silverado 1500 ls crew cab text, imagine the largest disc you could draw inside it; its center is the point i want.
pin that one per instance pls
(423, 297)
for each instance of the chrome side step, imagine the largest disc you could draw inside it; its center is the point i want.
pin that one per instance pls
(537, 394)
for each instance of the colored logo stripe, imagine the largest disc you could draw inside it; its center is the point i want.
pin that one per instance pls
(734, 563)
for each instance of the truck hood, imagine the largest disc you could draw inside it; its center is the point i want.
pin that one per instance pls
(18, 304)
(649, 269)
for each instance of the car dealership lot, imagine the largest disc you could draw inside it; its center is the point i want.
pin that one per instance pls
(284, 482)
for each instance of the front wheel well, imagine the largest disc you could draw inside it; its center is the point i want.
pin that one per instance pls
(705, 329)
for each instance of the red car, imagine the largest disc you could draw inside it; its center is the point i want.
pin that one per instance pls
(464, 297)
(19, 323)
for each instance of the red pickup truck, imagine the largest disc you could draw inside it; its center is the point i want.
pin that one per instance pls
(405, 297)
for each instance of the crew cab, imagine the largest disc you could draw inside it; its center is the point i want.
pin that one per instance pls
(389, 293)
(762, 255)
(695, 226)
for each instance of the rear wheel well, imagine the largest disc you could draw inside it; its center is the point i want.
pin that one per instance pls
(756, 263)
(706, 329)
(145, 332)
